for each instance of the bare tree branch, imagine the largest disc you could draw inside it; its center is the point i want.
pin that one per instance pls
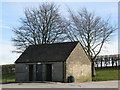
(39, 26)
(92, 31)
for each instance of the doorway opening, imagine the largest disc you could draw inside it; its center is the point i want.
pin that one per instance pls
(49, 72)
(30, 72)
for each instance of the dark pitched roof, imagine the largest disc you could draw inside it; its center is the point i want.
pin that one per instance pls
(56, 52)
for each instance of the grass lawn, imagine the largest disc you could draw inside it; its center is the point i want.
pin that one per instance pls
(107, 74)
(7, 78)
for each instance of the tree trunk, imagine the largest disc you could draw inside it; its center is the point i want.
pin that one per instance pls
(112, 62)
(116, 63)
(93, 69)
(101, 63)
(97, 65)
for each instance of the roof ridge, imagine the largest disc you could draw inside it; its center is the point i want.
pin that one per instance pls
(56, 43)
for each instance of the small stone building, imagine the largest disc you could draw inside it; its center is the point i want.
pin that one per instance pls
(53, 62)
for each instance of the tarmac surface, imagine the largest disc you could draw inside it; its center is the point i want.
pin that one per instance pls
(100, 84)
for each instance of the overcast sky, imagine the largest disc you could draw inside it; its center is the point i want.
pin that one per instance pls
(13, 11)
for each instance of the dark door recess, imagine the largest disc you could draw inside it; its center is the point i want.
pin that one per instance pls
(30, 72)
(49, 72)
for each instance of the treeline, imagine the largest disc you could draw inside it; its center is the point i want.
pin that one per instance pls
(107, 61)
(6, 69)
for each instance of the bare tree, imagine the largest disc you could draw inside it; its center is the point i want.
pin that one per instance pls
(90, 30)
(39, 26)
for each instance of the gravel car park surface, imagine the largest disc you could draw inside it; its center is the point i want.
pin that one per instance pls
(101, 84)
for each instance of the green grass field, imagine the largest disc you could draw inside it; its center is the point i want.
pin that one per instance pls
(7, 78)
(107, 74)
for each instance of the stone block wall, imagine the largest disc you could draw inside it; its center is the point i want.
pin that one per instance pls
(78, 65)
(57, 71)
(21, 72)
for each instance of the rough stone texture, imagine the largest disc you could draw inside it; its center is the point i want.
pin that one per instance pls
(57, 71)
(22, 72)
(78, 65)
